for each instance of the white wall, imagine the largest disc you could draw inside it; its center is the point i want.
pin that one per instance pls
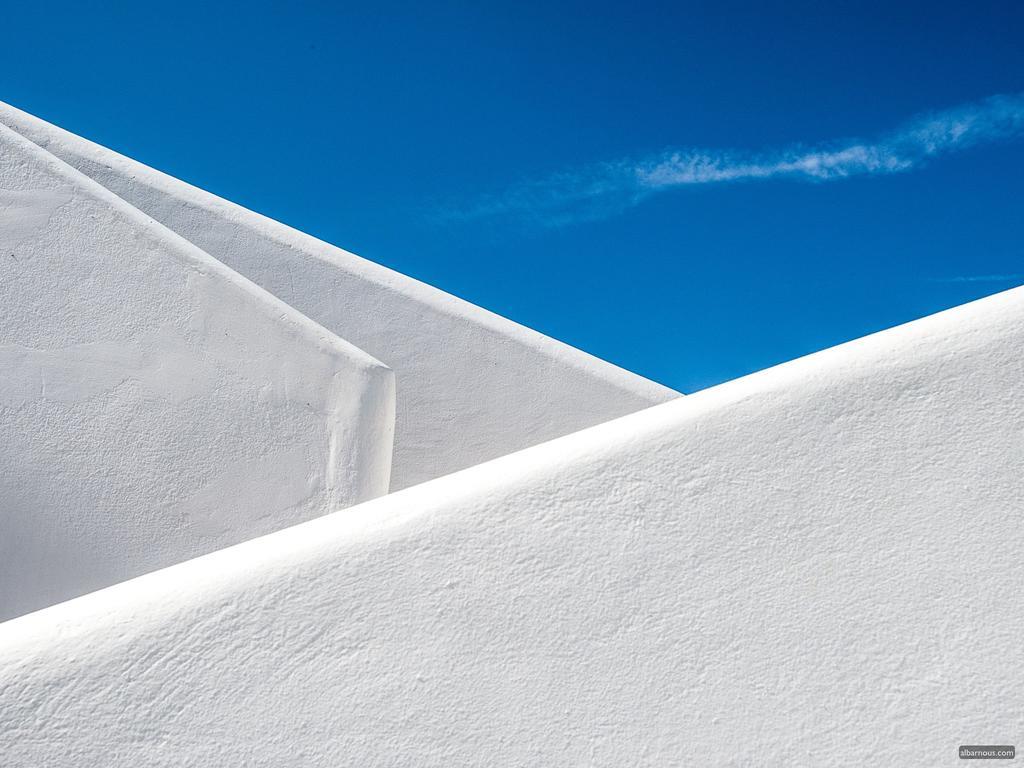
(471, 386)
(155, 405)
(818, 564)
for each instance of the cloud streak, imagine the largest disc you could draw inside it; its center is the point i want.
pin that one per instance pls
(609, 188)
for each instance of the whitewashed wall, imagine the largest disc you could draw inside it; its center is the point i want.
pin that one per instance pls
(154, 405)
(471, 385)
(815, 565)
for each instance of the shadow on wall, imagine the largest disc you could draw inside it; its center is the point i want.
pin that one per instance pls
(28, 547)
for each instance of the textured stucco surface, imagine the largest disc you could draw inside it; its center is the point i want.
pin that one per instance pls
(154, 405)
(471, 386)
(815, 565)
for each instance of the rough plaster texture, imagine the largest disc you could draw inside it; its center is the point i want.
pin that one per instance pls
(472, 386)
(154, 405)
(815, 565)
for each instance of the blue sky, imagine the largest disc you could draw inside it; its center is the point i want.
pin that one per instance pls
(631, 178)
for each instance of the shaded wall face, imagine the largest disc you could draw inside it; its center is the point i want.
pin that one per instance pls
(153, 406)
(470, 386)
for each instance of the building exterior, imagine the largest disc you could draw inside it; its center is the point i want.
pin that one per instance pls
(558, 563)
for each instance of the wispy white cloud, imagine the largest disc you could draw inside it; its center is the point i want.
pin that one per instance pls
(608, 188)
